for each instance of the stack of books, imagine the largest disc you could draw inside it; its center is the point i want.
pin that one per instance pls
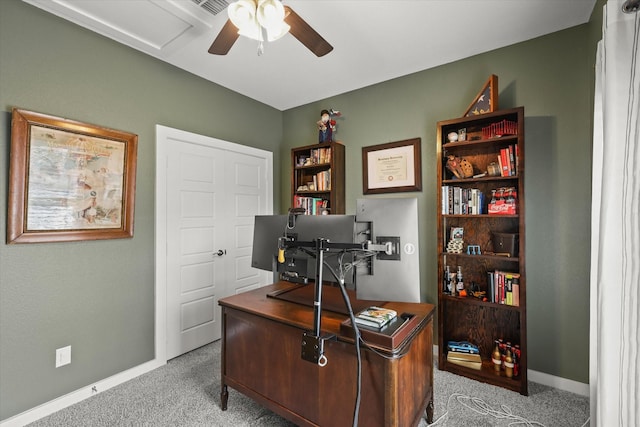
(375, 317)
(470, 360)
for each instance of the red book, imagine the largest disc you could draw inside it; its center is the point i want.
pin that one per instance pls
(504, 158)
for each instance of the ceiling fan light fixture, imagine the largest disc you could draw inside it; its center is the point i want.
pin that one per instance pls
(271, 15)
(266, 19)
(243, 15)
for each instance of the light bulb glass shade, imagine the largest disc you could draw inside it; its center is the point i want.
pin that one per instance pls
(252, 31)
(275, 33)
(270, 12)
(243, 15)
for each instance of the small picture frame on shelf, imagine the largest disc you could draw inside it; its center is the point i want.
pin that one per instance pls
(457, 233)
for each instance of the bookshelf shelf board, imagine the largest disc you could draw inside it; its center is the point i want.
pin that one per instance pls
(485, 374)
(486, 257)
(481, 179)
(486, 216)
(505, 139)
(314, 166)
(476, 301)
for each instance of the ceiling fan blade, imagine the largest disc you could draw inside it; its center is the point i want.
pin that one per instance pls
(225, 40)
(305, 34)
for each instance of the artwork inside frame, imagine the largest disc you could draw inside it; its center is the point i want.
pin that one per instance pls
(392, 167)
(68, 180)
(487, 99)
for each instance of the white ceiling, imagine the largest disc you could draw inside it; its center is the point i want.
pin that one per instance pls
(373, 40)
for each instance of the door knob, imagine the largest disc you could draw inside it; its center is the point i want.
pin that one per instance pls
(221, 252)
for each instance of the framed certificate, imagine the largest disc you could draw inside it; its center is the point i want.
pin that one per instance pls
(392, 168)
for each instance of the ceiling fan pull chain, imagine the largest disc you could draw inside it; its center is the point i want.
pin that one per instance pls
(260, 48)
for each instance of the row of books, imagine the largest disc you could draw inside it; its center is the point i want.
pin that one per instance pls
(317, 156)
(462, 201)
(503, 287)
(322, 180)
(312, 205)
(508, 161)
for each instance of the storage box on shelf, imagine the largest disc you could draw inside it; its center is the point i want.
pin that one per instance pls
(481, 242)
(317, 178)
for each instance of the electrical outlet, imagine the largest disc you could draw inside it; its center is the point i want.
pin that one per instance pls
(63, 356)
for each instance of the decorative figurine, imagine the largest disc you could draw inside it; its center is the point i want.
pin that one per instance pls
(326, 127)
(473, 250)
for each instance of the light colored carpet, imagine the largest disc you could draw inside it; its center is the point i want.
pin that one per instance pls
(186, 392)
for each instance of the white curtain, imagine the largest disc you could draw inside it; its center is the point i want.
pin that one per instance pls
(615, 235)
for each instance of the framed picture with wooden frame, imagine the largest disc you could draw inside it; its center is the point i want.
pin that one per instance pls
(391, 168)
(487, 99)
(69, 180)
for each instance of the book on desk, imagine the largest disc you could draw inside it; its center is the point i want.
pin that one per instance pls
(390, 337)
(376, 317)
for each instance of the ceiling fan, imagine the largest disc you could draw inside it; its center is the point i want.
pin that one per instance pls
(259, 18)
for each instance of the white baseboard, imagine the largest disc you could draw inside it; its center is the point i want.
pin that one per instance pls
(548, 380)
(74, 397)
(558, 382)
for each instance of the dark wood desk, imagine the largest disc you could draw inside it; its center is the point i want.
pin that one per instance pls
(261, 358)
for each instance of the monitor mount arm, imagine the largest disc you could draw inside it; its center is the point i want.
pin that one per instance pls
(312, 341)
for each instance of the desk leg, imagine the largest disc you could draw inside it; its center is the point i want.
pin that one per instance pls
(224, 397)
(429, 411)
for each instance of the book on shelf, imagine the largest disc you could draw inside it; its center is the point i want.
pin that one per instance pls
(473, 365)
(467, 357)
(512, 161)
(470, 360)
(375, 317)
(504, 161)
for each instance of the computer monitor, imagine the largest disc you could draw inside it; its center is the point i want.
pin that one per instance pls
(266, 231)
(394, 277)
(335, 229)
(380, 276)
(300, 263)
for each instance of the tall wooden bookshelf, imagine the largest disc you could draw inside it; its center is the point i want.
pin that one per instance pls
(317, 178)
(478, 318)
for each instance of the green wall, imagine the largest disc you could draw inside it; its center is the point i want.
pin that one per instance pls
(552, 77)
(98, 296)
